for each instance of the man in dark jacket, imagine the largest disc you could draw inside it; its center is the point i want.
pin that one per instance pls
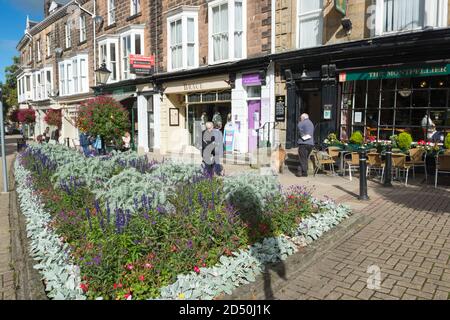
(305, 144)
(208, 148)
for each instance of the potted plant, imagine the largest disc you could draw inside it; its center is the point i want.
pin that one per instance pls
(333, 141)
(447, 144)
(404, 141)
(356, 141)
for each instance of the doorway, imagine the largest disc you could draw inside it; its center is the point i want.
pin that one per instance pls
(310, 102)
(150, 123)
(199, 114)
(254, 123)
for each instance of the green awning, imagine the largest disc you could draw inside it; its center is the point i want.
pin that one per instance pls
(395, 73)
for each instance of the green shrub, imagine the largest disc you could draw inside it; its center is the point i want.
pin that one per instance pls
(404, 141)
(447, 141)
(357, 138)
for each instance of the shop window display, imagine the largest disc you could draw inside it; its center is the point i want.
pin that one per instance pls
(385, 107)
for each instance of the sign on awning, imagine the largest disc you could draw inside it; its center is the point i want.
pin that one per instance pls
(395, 73)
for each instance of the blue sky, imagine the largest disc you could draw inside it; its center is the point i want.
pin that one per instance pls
(13, 15)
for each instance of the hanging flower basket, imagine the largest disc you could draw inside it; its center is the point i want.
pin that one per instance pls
(53, 118)
(26, 116)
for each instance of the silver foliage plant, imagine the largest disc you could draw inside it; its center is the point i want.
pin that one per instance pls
(62, 278)
(251, 191)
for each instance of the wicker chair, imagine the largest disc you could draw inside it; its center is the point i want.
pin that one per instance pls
(322, 159)
(417, 160)
(374, 163)
(352, 161)
(333, 152)
(442, 166)
(399, 164)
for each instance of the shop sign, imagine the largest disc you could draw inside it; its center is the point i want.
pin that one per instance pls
(395, 73)
(141, 65)
(280, 109)
(341, 6)
(327, 111)
(252, 79)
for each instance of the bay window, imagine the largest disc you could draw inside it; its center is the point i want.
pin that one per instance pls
(183, 39)
(108, 52)
(132, 42)
(309, 23)
(408, 15)
(73, 76)
(227, 30)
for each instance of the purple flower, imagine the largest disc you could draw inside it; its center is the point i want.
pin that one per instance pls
(189, 244)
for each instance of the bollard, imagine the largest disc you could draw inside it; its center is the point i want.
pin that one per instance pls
(68, 142)
(388, 168)
(363, 175)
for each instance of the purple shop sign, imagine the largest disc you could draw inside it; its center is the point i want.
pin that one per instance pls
(252, 79)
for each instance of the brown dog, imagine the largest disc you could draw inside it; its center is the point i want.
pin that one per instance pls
(277, 159)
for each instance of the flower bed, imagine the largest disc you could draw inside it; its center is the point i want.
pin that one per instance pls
(160, 230)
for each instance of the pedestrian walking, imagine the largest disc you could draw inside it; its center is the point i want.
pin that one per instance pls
(126, 139)
(46, 134)
(85, 143)
(208, 148)
(305, 144)
(218, 149)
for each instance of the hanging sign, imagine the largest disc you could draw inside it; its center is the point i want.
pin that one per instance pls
(141, 65)
(341, 6)
(280, 109)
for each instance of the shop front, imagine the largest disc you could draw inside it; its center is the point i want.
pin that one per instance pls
(384, 102)
(187, 105)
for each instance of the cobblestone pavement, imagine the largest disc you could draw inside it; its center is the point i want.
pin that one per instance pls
(7, 287)
(406, 238)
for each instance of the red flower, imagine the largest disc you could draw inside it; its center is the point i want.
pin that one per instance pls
(117, 285)
(197, 269)
(126, 296)
(84, 287)
(141, 278)
(129, 266)
(174, 248)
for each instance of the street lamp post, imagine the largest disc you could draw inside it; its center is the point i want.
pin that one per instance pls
(102, 75)
(2, 133)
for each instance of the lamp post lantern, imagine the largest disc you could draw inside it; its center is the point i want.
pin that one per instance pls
(102, 74)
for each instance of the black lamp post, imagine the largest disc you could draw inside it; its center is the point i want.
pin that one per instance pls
(102, 75)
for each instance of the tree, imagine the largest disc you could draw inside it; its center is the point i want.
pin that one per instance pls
(9, 88)
(104, 117)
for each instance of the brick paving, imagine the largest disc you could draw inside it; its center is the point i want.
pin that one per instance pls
(7, 276)
(407, 238)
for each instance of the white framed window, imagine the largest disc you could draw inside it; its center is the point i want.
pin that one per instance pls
(48, 82)
(132, 42)
(30, 53)
(227, 30)
(48, 43)
(183, 40)
(34, 87)
(309, 23)
(394, 16)
(135, 7)
(73, 76)
(43, 93)
(68, 29)
(62, 80)
(111, 12)
(38, 50)
(108, 53)
(82, 28)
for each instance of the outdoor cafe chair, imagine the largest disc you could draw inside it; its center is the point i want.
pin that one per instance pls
(442, 166)
(322, 159)
(399, 165)
(374, 163)
(417, 160)
(334, 153)
(352, 161)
